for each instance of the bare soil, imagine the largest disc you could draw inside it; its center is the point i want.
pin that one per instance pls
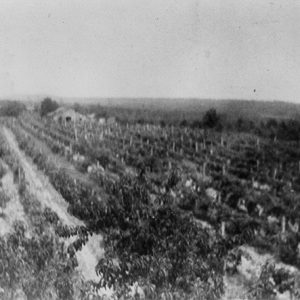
(43, 190)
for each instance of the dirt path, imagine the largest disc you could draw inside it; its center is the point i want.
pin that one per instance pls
(40, 186)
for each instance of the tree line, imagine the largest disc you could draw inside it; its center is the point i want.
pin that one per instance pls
(281, 129)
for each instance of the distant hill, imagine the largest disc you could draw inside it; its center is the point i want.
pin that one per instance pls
(189, 108)
(193, 108)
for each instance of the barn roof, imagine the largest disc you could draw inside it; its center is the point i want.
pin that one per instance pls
(59, 111)
(65, 111)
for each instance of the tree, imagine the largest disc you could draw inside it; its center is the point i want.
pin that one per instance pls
(47, 106)
(211, 118)
(157, 246)
(240, 124)
(12, 109)
(162, 123)
(184, 123)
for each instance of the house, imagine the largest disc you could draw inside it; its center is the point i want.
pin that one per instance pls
(64, 114)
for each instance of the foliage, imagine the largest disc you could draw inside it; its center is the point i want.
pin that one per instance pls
(3, 201)
(155, 245)
(272, 281)
(210, 118)
(2, 169)
(12, 109)
(48, 105)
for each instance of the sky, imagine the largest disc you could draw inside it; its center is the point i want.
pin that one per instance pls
(246, 49)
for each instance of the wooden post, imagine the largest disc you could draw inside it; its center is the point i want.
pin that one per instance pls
(283, 224)
(197, 149)
(173, 146)
(219, 198)
(85, 135)
(75, 131)
(223, 231)
(19, 175)
(204, 169)
(224, 170)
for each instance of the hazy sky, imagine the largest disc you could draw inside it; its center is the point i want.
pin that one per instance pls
(167, 48)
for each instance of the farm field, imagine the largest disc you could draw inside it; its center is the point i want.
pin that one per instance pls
(144, 211)
(149, 150)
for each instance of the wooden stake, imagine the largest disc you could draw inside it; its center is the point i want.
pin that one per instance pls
(283, 224)
(75, 132)
(204, 169)
(19, 175)
(223, 231)
(223, 170)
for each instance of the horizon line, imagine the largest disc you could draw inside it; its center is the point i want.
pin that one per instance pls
(72, 98)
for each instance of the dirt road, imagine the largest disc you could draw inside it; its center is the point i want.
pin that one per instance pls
(39, 184)
(42, 189)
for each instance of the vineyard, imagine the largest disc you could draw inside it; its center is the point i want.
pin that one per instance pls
(144, 211)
